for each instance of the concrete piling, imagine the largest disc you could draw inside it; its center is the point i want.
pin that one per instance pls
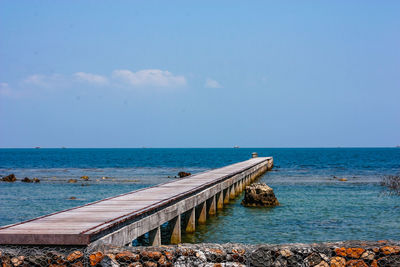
(212, 209)
(203, 213)
(232, 191)
(191, 221)
(155, 237)
(176, 230)
(220, 200)
(227, 194)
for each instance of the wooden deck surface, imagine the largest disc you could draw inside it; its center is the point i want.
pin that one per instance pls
(74, 226)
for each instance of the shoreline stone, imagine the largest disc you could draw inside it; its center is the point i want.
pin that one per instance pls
(333, 254)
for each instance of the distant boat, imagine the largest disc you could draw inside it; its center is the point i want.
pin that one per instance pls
(236, 146)
(63, 147)
(398, 146)
(37, 147)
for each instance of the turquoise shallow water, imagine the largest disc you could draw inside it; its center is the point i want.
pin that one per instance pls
(315, 206)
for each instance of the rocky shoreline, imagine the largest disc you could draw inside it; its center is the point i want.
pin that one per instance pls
(332, 254)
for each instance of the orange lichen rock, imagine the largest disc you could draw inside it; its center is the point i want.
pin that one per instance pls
(374, 263)
(74, 255)
(354, 252)
(356, 263)
(96, 258)
(338, 262)
(390, 250)
(341, 252)
(155, 255)
(169, 255)
(127, 256)
(150, 264)
(350, 252)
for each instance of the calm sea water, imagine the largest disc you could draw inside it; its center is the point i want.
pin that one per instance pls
(315, 206)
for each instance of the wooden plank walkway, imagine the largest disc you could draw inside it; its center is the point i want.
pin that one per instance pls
(84, 224)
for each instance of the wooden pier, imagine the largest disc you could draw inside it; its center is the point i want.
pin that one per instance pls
(183, 203)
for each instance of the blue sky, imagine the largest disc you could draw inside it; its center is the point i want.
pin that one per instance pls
(199, 74)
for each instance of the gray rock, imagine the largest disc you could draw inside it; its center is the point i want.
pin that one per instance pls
(280, 262)
(313, 259)
(201, 256)
(215, 254)
(261, 257)
(108, 261)
(234, 264)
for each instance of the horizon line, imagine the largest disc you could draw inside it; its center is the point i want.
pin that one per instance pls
(145, 147)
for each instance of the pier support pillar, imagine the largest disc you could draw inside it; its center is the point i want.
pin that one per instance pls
(220, 200)
(240, 186)
(155, 237)
(227, 195)
(212, 208)
(176, 230)
(203, 213)
(232, 191)
(191, 221)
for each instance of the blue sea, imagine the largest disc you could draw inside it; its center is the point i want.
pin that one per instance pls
(315, 206)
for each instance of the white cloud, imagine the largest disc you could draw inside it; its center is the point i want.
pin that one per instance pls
(91, 78)
(149, 78)
(46, 81)
(210, 83)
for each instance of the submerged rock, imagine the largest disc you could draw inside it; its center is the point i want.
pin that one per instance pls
(36, 180)
(184, 174)
(85, 177)
(72, 181)
(259, 195)
(339, 179)
(9, 178)
(26, 180)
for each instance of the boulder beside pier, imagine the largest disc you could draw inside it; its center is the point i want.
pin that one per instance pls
(259, 195)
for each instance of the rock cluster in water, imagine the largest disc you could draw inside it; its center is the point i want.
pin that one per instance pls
(259, 195)
(27, 180)
(11, 178)
(338, 254)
